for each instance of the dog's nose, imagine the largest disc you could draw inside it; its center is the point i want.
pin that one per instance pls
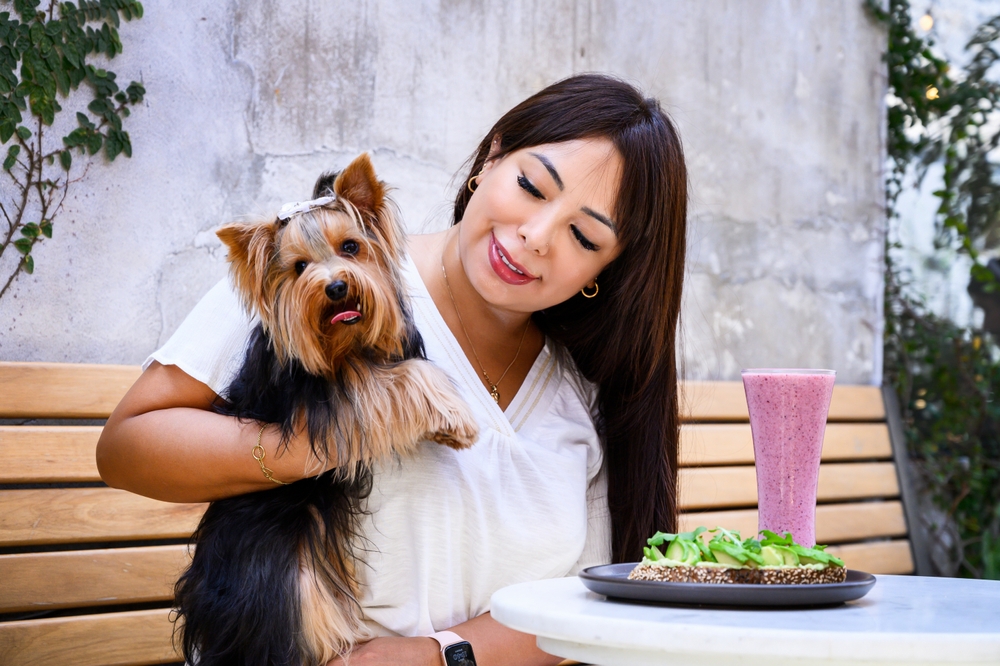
(336, 291)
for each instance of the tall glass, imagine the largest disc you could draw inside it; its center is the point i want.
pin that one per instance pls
(788, 410)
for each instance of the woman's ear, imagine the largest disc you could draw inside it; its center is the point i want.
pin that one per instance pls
(494, 147)
(491, 158)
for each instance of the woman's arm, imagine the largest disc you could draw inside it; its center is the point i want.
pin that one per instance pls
(163, 441)
(493, 644)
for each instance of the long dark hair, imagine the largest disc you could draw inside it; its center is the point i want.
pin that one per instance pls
(624, 339)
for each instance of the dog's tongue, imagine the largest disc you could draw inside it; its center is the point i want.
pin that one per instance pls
(346, 315)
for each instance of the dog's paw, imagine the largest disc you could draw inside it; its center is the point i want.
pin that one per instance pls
(450, 440)
(455, 425)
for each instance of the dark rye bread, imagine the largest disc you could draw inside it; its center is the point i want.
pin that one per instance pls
(718, 575)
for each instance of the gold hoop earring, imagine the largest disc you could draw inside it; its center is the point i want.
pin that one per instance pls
(586, 295)
(471, 188)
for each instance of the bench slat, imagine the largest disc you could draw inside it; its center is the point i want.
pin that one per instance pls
(835, 523)
(63, 390)
(76, 515)
(111, 639)
(43, 581)
(726, 401)
(877, 557)
(732, 443)
(78, 390)
(48, 454)
(716, 487)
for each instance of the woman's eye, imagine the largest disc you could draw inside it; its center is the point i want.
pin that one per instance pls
(350, 247)
(528, 187)
(300, 267)
(584, 241)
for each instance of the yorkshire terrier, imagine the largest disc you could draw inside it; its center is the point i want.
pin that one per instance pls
(337, 356)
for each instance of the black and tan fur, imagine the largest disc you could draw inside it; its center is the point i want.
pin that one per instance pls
(272, 577)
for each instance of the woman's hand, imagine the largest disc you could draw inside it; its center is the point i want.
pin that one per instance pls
(393, 652)
(492, 643)
(164, 441)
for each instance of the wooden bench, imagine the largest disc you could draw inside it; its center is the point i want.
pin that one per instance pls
(87, 571)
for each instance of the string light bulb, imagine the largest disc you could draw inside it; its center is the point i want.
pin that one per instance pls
(926, 22)
(932, 93)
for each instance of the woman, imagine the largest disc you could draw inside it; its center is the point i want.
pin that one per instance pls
(553, 303)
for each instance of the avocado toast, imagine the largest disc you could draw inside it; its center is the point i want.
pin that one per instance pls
(726, 558)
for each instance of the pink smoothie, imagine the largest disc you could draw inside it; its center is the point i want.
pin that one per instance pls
(788, 410)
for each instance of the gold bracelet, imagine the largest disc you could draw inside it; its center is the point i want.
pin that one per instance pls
(258, 455)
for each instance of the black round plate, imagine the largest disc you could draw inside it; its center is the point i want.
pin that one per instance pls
(612, 581)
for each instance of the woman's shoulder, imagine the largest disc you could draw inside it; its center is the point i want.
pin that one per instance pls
(210, 343)
(423, 251)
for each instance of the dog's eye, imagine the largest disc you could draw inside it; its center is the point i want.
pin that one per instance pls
(350, 247)
(300, 267)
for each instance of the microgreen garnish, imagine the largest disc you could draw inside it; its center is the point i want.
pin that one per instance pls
(815, 554)
(728, 548)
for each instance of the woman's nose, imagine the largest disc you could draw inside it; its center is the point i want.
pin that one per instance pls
(536, 234)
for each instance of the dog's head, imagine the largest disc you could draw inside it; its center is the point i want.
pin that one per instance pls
(326, 281)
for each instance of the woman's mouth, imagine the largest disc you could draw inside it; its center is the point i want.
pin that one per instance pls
(506, 268)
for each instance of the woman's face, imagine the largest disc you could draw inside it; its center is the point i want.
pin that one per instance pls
(539, 226)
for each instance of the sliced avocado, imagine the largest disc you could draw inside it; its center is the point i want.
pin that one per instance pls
(771, 556)
(791, 559)
(726, 558)
(675, 551)
(691, 553)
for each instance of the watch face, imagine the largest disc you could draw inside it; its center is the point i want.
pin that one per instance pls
(459, 654)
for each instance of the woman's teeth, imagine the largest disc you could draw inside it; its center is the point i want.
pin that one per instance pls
(508, 264)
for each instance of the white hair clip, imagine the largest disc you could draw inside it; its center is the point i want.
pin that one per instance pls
(290, 210)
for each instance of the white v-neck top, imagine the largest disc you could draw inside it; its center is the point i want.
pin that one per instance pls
(448, 528)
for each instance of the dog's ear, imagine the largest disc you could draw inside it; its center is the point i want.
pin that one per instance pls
(359, 185)
(324, 186)
(251, 247)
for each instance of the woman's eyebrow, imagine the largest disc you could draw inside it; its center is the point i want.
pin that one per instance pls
(600, 218)
(547, 163)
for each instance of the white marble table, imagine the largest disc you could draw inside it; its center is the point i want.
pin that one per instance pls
(903, 620)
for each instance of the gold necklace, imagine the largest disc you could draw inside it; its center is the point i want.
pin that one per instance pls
(494, 391)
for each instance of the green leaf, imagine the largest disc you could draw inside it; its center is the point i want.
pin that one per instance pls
(65, 159)
(112, 147)
(46, 227)
(660, 538)
(6, 131)
(772, 539)
(135, 91)
(23, 245)
(94, 143)
(98, 107)
(30, 230)
(816, 554)
(29, 264)
(24, 133)
(9, 163)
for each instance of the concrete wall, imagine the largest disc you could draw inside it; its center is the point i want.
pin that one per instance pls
(779, 103)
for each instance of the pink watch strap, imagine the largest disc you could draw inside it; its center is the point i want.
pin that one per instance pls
(446, 638)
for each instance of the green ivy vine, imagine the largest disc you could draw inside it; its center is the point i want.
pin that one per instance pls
(47, 53)
(946, 376)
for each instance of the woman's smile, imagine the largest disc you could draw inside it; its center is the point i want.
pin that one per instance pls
(506, 268)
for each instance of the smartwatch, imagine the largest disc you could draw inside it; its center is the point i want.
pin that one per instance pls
(455, 650)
